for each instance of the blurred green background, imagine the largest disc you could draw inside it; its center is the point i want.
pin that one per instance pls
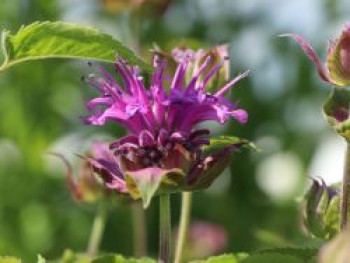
(254, 201)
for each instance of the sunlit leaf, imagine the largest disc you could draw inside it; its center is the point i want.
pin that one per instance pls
(271, 258)
(226, 258)
(145, 183)
(115, 258)
(41, 259)
(9, 260)
(220, 142)
(44, 40)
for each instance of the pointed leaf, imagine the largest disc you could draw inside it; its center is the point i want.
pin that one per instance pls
(144, 183)
(220, 142)
(336, 111)
(43, 40)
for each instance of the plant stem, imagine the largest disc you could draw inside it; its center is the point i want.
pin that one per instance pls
(140, 234)
(344, 200)
(183, 226)
(97, 230)
(165, 229)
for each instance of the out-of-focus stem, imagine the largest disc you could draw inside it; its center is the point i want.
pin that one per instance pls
(140, 231)
(165, 229)
(183, 225)
(344, 199)
(97, 230)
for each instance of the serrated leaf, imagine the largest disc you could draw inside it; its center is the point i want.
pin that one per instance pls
(115, 258)
(336, 111)
(44, 40)
(226, 258)
(271, 258)
(6, 259)
(303, 253)
(220, 142)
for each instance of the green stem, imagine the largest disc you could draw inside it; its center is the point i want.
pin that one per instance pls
(165, 229)
(139, 226)
(345, 190)
(183, 226)
(97, 230)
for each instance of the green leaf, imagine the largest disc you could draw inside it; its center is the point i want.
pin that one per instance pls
(115, 258)
(70, 256)
(220, 142)
(44, 40)
(146, 182)
(302, 253)
(312, 260)
(226, 258)
(336, 111)
(6, 259)
(271, 258)
(41, 259)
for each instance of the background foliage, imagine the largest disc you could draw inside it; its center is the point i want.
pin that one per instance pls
(41, 102)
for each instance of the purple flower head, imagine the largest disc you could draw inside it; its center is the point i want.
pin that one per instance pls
(337, 67)
(163, 150)
(204, 239)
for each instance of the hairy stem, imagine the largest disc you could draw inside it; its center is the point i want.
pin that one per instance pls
(97, 230)
(183, 226)
(345, 190)
(165, 229)
(140, 231)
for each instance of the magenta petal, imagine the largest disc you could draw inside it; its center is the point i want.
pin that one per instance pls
(240, 115)
(163, 137)
(233, 82)
(129, 139)
(146, 139)
(309, 51)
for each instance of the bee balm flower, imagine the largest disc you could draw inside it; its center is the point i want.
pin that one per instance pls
(337, 68)
(163, 150)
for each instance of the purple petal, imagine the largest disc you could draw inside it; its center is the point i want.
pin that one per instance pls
(233, 82)
(146, 139)
(240, 115)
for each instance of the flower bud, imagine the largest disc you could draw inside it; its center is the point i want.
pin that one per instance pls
(321, 210)
(336, 112)
(337, 67)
